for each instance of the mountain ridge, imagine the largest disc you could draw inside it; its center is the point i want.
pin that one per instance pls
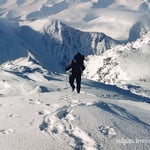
(53, 39)
(57, 40)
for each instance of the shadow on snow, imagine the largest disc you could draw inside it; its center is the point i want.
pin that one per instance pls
(128, 95)
(121, 113)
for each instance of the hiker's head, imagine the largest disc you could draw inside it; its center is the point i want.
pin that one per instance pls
(78, 54)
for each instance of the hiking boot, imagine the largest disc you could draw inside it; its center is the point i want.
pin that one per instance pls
(78, 90)
(73, 87)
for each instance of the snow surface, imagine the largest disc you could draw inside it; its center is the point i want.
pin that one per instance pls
(39, 111)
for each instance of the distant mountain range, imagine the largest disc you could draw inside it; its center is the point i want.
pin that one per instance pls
(54, 30)
(115, 18)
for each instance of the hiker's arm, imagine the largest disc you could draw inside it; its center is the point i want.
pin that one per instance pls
(69, 66)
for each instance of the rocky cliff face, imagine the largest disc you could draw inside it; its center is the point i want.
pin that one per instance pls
(54, 46)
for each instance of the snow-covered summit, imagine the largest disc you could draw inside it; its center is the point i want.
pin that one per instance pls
(53, 46)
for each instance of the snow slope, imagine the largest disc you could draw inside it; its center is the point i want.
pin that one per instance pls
(41, 112)
(126, 66)
(128, 62)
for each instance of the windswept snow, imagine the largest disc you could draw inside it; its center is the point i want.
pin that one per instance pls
(39, 111)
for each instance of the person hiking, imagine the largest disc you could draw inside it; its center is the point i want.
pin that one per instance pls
(76, 68)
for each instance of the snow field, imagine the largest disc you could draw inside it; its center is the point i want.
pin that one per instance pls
(95, 119)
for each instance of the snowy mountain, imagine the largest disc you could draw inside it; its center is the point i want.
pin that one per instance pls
(60, 28)
(128, 62)
(54, 46)
(38, 38)
(125, 66)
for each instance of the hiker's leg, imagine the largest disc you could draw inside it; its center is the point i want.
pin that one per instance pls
(78, 80)
(71, 81)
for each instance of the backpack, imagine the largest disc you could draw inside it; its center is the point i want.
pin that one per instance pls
(79, 60)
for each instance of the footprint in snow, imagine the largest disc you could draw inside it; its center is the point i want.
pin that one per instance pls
(47, 105)
(43, 112)
(36, 101)
(8, 131)
(107, 131)
(14, 115)
(62, 113)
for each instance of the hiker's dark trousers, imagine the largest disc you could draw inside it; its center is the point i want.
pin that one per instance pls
(76, 77)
